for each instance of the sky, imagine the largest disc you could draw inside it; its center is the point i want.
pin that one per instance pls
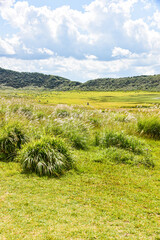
(81, 40)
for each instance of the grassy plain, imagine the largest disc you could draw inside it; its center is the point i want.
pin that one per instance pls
(102, 198)
(98, 100)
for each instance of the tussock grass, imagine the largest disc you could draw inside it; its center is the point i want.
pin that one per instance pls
(121, 140)
(47, 156)
(149, 126)
(11, 139)
(121, 118)
(74, 130)
(62, 113)
(117, 155)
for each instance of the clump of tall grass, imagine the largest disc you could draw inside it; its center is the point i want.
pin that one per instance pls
(121, 118)
(149, 126)
(124, 117)
(121, 140)
(117, 155)
(74, 130)
(11, 139)
(47, 156)
(27, 111)
(96, 122)
(40, 115)
(79, 140)
(62, 113)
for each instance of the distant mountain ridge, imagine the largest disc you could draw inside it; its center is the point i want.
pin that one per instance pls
(24, 79)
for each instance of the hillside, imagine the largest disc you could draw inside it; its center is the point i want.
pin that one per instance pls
(150, 83)
(23, 79)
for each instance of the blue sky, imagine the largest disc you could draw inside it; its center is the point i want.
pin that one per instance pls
(78, 5)
(81, 40)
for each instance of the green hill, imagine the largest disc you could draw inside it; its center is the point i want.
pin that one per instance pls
(149, 83)
(23, 79)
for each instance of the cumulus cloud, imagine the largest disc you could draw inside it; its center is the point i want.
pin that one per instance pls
(6, 3)
(156, 19)
(82, 70)
(6, 48)
(120, 52)
(102, 40)
(69, 32)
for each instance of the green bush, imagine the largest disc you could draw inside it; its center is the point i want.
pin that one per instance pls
(150, 126)
(47, 156)
(11, 139)
(122, 140)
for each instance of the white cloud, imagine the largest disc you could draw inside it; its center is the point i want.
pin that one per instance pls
(120, 52)
(103, 40)
(69, 32)
(6, 48)
(140, 33)
(90, 57)
(6, 3)
(82, 70)
(46, 51)
(156, 19)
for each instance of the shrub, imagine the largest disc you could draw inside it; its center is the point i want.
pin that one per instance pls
(121, 140)
(11, 140)
(47, 157)
(150, 126)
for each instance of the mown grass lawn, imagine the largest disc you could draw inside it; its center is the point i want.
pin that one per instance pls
(99, 199)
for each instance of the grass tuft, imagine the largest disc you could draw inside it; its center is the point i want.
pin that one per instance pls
(46, 157)
(150, 126)
(122, 140)
(12, 138)
(126, 157)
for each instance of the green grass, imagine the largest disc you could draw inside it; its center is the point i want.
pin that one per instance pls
(11, 140)
(101, 201)
(111, 193)
(47, 156)
(121, 140)
(99, 100)
(150, 126)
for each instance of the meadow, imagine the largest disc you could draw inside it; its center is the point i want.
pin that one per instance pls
(79, 165)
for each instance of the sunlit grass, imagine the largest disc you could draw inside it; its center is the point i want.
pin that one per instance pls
(95, 99)
(113, 190)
